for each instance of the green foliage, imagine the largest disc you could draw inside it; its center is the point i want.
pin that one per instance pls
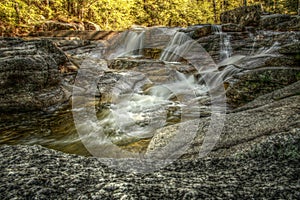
(112, 15)
(17, 11)
(121, 14)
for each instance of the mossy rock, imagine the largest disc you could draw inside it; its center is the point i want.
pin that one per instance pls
(253, 84)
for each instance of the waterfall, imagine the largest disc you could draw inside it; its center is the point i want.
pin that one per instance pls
(275, 46)
(254, 38)
(175, 48)
(130, 45)
(134, 43)
(225, 46)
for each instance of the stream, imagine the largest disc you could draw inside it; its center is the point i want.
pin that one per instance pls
(146, 94)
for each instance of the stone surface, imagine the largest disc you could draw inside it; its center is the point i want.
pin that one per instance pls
(250, 85)
(155, 70)
(74, 34)
(33, 172)
(57, 26)
(285, 92)
(158, 37)
(30, 78)
(291, 49)
(278, 65)
(152, 53)
(272, 114)
(280, 22)
(247, 16)
(232, 27)
(198, 31)
(250, 43)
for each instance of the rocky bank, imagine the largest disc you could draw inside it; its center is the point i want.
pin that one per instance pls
(269, 171)
(30, 78)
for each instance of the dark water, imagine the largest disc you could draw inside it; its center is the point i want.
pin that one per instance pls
(57, 130)
(51, 130)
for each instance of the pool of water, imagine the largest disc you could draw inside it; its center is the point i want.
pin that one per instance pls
(130, 121)
(51, 130)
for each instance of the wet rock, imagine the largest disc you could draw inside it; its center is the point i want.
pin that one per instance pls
(156, 70)
(232, 27)
(71, 34)
(137, 75)
(30, 77)
(267, 117)
(285, 92)
(280, 22)
(291, 49)
(259, 61)
(253, 44)
(134, 64)
(247, 86)
(80, 52)
(106, 84)
(199, 31)
(158, 37)
(246, 16)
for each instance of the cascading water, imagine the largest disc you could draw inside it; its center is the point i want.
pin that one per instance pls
(225, 45)
(269, 50)
(134, 116)
(137, 113)
(255, 57)
(175, 48)
(254, 38)
(133, 44)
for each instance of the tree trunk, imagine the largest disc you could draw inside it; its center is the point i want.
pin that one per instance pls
(17, 12)
(215, 11)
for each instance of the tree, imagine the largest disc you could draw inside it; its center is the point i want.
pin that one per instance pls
(122, 14)
(215, 11)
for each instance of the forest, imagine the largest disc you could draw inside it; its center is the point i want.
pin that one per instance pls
(20, 16)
